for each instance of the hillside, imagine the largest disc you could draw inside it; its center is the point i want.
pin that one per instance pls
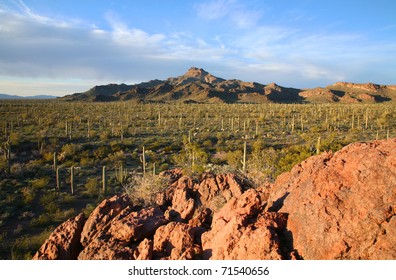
(331, 206)
(199, 86)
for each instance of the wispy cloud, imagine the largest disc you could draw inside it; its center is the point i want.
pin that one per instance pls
(233, 10)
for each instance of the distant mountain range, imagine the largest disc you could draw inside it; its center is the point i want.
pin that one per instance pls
(199, 86)
(8, 96)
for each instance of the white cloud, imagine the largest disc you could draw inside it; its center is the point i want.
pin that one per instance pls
(233, 10)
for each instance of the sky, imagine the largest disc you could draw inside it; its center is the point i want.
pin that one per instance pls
(62, 47)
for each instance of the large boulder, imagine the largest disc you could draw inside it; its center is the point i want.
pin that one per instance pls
(240, 230)
(64, 241)
(175, 241)
(101, 217)
(137, 226)
(341, 205)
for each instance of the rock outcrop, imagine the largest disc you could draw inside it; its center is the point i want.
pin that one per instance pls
(64, 241)
(342, 205)
(332, 206)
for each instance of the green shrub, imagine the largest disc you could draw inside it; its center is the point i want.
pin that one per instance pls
(92, 187)
(40, 183)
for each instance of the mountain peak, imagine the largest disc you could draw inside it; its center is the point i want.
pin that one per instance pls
(195, 72)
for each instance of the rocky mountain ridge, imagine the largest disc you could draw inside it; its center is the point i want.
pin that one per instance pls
(199, 86)
(331, 206)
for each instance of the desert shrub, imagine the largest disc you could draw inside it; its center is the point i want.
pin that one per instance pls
(42, 220)
(101, 152)
(104, 136)
(15, 138)
(66, 198)
(28, 195)
(17, 169)
(164, 166)
(117, 159)
(40, 183)
(234, 159)
(291, 156)
(70, 151)
(143, 189)
(25, 246)
(62, 215)
(48, 157)
(49, 201)
(92, 187)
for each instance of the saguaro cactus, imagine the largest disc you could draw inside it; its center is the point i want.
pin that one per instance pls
(55, 164)
(143, 161)
(243, 161)
(57, 179)
(318, 146)
(72, 180)
(104, 179)
(121, 174)
(7, 154)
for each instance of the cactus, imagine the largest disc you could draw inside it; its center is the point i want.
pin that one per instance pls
(70, 130)
(302, 124)
(292, 124)
(243, 161)
(72, 180)
(104, 179)
(121, 174)
(57, 178)
(122, 132)
(143, 161)
(318, 146)
(180, 121)
(55, 165)
(7, 154)
(257, 127)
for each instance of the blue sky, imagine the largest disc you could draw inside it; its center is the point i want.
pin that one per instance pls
(61, 47)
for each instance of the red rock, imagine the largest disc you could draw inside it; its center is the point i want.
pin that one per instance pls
(174, 241)
(107, 249)
(144, 251)
(64, 241)
(102, 216)
(230, 185)
(183, 205)
(240, 231)
(342, 205)
(203, 219)
(207, 189)
(137, 226)
(214, 190)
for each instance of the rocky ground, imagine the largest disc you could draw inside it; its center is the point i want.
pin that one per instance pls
(331, 206)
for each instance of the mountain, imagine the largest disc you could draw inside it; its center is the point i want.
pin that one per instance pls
(199, 86)
(7, 96)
